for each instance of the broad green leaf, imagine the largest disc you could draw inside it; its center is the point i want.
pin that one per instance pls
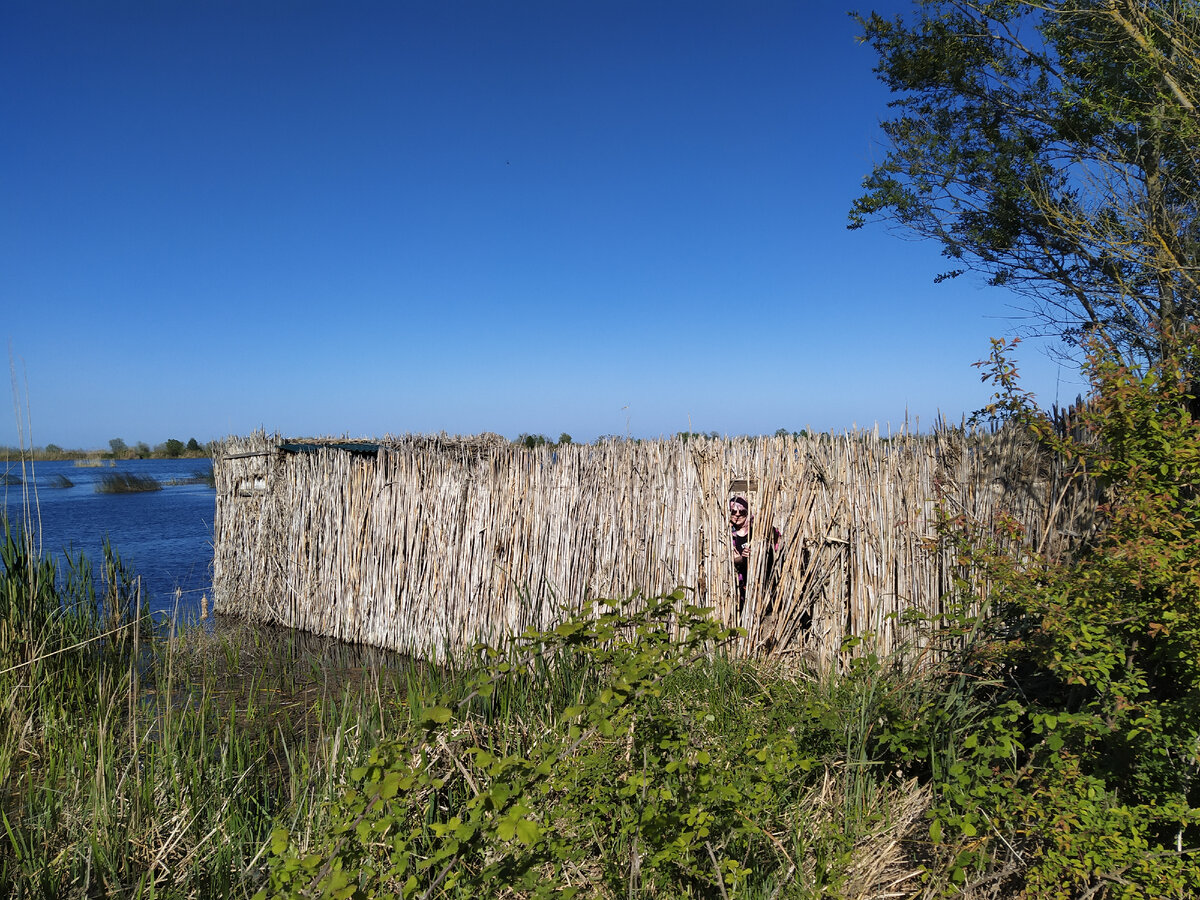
(528, 832)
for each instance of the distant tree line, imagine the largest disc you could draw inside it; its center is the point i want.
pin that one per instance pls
(171, 448)
(540, 440)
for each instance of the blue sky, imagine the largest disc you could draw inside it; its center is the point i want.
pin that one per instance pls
(363, 218)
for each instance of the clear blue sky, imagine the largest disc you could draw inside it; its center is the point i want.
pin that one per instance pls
(369, 217)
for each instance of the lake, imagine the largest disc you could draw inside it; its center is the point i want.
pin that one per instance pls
(164, 536)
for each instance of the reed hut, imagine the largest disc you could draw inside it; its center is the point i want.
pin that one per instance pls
(427, 545)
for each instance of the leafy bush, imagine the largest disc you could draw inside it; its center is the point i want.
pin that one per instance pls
(1065, 749)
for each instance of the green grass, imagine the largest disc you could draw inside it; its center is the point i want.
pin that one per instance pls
(127, 483)
(133, 759)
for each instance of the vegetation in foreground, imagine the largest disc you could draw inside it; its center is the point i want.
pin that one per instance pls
(1063, 746)
(137, 763)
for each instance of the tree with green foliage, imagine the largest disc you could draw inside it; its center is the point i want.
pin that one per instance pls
(193, 446)
(1053, 145)
(172, 448)
(118, 447)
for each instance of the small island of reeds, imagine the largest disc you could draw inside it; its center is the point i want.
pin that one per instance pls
(200, 476)
(127, 483)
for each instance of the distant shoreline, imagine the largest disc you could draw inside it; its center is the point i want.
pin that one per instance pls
(11, 455)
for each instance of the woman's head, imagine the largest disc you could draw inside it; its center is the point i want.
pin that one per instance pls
(739, 510)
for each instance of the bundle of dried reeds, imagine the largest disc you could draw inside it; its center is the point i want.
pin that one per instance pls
(428, 545)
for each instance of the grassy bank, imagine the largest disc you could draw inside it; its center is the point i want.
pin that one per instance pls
(137, 763)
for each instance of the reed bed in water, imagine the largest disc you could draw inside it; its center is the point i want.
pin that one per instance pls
(429, 544)
(200, 476)
(127, 483)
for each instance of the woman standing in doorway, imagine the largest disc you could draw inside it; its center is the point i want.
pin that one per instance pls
(739, 531)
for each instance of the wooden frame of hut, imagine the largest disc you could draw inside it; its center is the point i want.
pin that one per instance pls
(427, 545)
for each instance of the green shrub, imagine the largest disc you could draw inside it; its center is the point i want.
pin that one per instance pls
(1065, 748)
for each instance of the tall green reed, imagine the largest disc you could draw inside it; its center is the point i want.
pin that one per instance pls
(143, 762)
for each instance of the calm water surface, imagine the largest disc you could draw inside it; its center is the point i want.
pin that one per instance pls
(164, 536)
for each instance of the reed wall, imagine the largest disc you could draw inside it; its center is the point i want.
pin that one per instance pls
(430, 544)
